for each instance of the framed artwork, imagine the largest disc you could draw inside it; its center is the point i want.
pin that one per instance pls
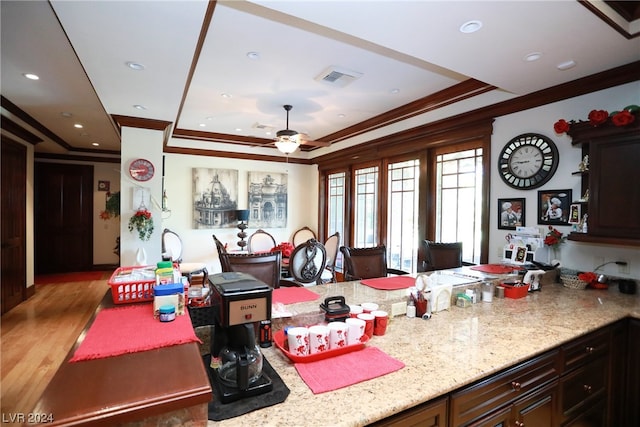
(554, 207)
(511, 213)
(104, 185)
(215, 198)
(575, 213)
(519, 255)
(267, 200)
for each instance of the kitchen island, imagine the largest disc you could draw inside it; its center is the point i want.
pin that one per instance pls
(453, 349)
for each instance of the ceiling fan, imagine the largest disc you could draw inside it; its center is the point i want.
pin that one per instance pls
(288, 140)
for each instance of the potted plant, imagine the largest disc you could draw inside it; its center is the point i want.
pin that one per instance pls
(111, 206)
(143, 223)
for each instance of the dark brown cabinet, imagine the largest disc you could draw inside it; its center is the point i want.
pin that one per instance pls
(614, 164)
(430, 414)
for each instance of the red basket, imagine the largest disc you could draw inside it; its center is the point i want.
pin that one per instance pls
(125, 291)
(515, 292)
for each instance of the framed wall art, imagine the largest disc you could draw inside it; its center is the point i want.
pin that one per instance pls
(267, 200)
(215, 198)
(554, 207)
(511, 213)
(575, 213)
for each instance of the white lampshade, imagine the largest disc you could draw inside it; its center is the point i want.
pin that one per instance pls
(288, 144)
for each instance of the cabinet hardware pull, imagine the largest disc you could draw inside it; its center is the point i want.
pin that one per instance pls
(516, 385)
(519, 424)
(589, 349)
(587, 388)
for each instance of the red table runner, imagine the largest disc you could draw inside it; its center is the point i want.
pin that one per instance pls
(390, 283)
(130, 329)
(292, 295)
(495, 268)
(347, 369)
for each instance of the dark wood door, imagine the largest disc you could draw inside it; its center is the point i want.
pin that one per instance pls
(13, 212)
(63, 218)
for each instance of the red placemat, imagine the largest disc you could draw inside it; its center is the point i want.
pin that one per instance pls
(390, 283)
(347, 369)
(292, 295)
(130, 329)
(495, 268)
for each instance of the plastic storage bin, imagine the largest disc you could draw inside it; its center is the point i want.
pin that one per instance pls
(132, 284)
(515, 292)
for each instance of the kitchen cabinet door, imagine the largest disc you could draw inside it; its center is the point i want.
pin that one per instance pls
(431, 414)
(538, 408)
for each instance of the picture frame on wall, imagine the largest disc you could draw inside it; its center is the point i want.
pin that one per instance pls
(511, 213)
(575, 213)
(554, 206)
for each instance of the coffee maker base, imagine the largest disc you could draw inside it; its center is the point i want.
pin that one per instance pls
(231, 394)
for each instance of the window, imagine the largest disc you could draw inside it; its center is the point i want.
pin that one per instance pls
(366, 207)
(336, 208)
(402, 215)
(459, 200)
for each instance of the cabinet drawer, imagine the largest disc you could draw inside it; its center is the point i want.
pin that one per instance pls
(583, 385)
(488, 395)
(585, 349)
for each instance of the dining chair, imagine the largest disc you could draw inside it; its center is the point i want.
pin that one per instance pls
(222, 252)
(441, 256)
(263, 266)
(302, 235)
(331, 245)
(366, 263)
(306, 264)
(260, 241)
(172, 251)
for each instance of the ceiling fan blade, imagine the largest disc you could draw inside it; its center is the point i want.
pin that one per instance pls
(304, 140)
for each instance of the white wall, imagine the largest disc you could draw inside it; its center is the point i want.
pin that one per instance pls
(105, 232)
(198, 243)
(578, 255)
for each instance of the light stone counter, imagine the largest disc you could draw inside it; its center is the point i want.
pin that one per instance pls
(452, 349)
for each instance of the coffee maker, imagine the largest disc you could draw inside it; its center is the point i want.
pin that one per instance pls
(240, 302)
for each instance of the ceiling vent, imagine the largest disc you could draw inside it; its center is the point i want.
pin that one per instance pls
(257, 125)
(338, 76)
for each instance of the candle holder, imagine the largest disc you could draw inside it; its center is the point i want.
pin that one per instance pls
(242, 215)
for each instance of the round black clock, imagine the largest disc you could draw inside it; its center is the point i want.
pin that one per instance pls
(528, 161)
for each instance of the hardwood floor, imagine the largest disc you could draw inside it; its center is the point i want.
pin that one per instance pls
(37, 335)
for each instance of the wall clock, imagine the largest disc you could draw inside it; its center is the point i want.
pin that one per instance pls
(528, 161)
(141, 170)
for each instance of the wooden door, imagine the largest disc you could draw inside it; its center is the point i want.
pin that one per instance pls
(63, 218)
(13, 213)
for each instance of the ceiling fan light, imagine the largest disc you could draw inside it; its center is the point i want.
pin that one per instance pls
(287, 144)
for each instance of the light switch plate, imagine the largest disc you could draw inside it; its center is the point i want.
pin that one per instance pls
(398, 308)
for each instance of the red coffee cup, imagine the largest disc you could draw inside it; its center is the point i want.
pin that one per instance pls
(380, 322)
(370, 319)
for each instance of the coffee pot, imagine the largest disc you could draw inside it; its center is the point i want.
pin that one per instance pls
(241, 359)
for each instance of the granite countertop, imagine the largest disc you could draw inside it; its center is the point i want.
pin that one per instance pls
(452, 349)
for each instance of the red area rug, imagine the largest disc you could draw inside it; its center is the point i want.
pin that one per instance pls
(81, 276)
(130, 329)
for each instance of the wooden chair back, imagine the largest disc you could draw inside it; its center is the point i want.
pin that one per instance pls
(171, 246)
(364, 263)
(260, 241)
(222, 254)
(307, 262)
(441, 256)
(302, 235)
(332, 245)
(263, 266)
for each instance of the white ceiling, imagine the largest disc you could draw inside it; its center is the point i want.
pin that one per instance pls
(80, 50)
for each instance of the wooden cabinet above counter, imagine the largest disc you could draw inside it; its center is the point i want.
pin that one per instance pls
(612, 180)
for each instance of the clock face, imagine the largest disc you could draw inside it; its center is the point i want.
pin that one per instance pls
(141, 170)
(528, 161)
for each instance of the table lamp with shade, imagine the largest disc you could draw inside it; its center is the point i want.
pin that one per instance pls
(242, 216)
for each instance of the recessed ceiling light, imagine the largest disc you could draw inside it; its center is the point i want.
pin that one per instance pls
(395, 90)
(202, 125)
(254, 56)
(77, 125)
(268, 132)
(238, 129)
(95, 144)
(342, 116)
(135, 66)
(139, 107)
(31, 76)
(533, 56)
(225, 95)
(566, 65)
(470, 26)
(66, 114)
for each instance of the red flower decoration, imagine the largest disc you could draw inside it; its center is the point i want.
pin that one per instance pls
(285, 247)
(598, 117)
(623, 118)
(561, 126)
(587, 277)
(553, 237)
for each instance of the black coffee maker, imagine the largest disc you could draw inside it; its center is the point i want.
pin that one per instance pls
(240, 302)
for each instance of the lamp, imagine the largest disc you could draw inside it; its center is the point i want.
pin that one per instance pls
(242, 215)
(288, 140)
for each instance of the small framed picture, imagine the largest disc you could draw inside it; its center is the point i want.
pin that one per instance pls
(575, 213)
(104, 185)
(511, 213)
(554, 207)
(519, 255)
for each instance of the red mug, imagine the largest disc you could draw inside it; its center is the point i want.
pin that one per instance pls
(380, 322)
(370, 320)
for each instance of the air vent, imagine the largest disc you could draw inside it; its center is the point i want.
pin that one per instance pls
(338, 76)
(257, 125)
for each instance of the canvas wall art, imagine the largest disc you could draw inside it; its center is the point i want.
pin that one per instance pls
(215, 198)
(267, 200)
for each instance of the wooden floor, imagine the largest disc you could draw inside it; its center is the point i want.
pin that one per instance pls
(37, 335)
